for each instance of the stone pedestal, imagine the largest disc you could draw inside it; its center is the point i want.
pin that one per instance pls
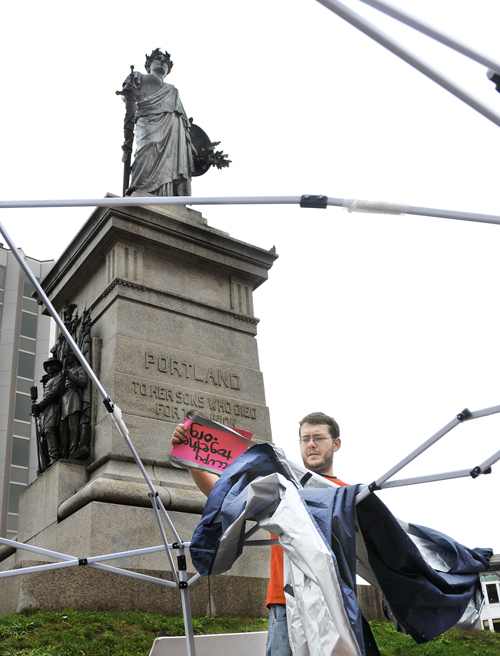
(173, 330)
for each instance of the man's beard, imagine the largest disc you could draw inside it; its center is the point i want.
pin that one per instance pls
(321, 467)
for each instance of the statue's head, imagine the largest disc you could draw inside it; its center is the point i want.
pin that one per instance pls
(52, 366)
(158, 54)
(71, 359)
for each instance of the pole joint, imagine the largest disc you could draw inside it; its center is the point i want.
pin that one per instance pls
(314, 201)
(464, 415)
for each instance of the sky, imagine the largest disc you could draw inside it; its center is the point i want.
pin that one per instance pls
(388, 323)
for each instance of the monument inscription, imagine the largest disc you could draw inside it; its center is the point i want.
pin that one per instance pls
(169, 365)
(174, 403)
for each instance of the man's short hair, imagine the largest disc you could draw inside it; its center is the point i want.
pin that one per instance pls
(320, 418)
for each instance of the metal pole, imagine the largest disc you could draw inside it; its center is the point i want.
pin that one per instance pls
(414, 454)
(154, 499)
(431, 32)
(465, 415)
(116, 414)
(370, 207)
(37, 550)
(186, 601)
(463, 473)
(388, 42)
(133, 575)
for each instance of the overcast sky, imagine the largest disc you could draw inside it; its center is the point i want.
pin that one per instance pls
(389, 323)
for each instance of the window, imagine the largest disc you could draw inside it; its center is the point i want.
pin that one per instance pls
(492, 592)
(23, 407)
(26, 365)
(28, 324)
(15, 490)
(486, 625)
(2, 276)
(20, 451)
(496, 626)
(28, 288)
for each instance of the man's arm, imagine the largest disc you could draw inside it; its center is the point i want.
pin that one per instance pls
(204, 480)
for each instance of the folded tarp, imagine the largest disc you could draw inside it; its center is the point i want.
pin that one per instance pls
(428, 586)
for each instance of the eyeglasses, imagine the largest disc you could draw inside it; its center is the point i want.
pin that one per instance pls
(316, 440)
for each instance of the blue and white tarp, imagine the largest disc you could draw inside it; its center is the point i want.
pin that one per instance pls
(428, 579)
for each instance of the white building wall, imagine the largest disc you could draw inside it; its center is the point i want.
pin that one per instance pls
(490, 615)
(25, 339)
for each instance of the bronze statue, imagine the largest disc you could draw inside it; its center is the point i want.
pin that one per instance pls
(75, 380)
(49, 408)
(170, 150)
(62, 417)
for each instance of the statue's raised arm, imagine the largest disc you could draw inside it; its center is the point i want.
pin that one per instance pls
(169, 150)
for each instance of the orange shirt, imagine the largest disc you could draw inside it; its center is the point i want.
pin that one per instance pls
(275, 594)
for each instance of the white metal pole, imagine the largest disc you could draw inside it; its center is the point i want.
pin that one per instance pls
(125, 554)
(186, 601)
(388, 42)
(133, 575)
(430, 478)
(39, 568)
(37, 550)
(114, 410)
(371, 207)
(431, 32)
(154, 502)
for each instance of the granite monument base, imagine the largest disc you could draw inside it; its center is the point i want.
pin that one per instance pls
(111, 526)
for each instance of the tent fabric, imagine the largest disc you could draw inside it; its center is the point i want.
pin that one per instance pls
(325, 538)
(425, 601)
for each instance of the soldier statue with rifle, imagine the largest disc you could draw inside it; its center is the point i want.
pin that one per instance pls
(47, 413)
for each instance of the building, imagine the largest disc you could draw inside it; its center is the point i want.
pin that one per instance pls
(25, 339)
(490, 583)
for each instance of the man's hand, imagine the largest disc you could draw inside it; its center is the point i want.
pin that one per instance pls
(204, 480)
(179, 435)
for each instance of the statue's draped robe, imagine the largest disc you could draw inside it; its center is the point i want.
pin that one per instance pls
(163, 162)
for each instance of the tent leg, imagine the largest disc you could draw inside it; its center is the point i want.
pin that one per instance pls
(186, 601)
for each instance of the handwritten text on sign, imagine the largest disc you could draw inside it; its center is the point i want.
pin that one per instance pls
(209, 447)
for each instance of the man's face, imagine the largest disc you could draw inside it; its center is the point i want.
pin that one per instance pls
(318, 456)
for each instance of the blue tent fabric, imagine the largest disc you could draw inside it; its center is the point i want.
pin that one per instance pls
(259, 461)
(425, 602)
(333, 512)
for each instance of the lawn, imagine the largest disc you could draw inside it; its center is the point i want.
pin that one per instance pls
(132, 633)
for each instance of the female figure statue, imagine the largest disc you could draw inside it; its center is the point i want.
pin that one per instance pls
(164, 159)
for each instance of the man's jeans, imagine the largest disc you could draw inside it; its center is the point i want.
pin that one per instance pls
(277, 638)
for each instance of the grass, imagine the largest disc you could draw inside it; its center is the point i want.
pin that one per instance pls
(451, 643)
(108, 633)
(132, 633)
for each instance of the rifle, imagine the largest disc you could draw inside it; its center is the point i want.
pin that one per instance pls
(41, 443)
(128, 132)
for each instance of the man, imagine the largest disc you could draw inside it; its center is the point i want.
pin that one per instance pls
(319, 439)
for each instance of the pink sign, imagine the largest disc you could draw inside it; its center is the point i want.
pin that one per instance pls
(209, 446)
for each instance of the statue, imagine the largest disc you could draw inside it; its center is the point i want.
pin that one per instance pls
(170, 150)
(62, 417)
(75, 380)
(48, 410)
